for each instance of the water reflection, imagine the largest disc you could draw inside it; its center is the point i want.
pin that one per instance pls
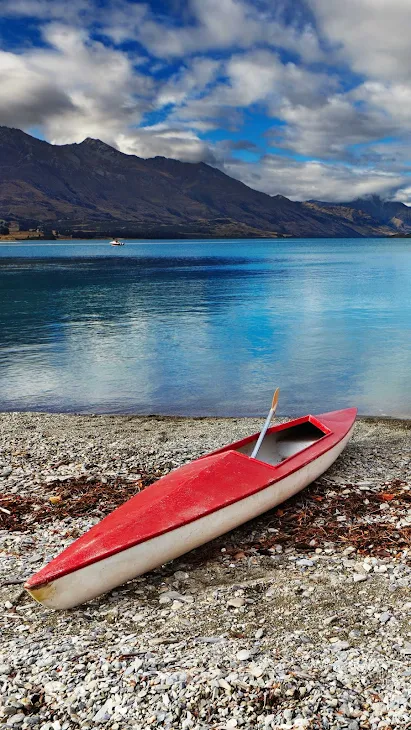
(206, 328)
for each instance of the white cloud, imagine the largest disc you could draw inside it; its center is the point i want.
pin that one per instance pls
(255, 77)
(166, 141)
(403, 196)
(213, 25)
(252, 78)
(393, 99)
(275, 174)
(74, 88)
(189, 82)
(26, 97)
(372, 36)
(72, 11)
(329, 129)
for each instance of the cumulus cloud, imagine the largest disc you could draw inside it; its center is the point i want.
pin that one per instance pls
(191, 81)
(392, 99)
(403, 196)
(372, 36)
(300, 180)
(330, 129)
(75, 10)
(214, 25)
(251, 78)
(26, 97)
(73, 88)
(177, 143)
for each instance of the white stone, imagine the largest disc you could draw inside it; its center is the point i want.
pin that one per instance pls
(231, 723)
(243, 655)
(359, 578)
(104, 713)
(256, 671)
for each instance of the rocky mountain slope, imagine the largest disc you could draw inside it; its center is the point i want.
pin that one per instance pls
(373, 210)
(92, 186)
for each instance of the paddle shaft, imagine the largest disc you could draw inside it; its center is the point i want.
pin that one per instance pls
(262, 434)
(266, 425)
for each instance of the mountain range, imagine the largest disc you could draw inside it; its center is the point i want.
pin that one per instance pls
(93, 188)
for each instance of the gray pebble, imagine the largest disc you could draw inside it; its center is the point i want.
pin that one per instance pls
(16, 719)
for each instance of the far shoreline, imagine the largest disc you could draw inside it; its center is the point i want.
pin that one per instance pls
(198, 237)
(395, 421)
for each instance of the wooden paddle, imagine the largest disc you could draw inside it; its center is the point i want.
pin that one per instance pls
(273, 409)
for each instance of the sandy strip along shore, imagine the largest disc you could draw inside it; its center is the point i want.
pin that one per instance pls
(299, 619)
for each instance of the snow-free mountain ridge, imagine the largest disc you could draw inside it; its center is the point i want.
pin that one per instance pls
(95, 188)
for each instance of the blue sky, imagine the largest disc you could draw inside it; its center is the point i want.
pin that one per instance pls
(304, 98)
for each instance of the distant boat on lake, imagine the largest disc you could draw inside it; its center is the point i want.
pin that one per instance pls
(116, 242)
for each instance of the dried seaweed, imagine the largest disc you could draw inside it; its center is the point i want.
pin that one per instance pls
(71, 498)
(354, 519)
(348, 517)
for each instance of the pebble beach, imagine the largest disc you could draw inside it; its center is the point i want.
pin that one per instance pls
(298, 619)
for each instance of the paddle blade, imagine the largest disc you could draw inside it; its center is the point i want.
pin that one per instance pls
(275, 399)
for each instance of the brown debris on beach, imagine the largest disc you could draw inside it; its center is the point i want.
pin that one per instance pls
(70, 498)
(346, 516)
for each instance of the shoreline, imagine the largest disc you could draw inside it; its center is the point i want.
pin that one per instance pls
(400, 420)
(199, 238)
(298, 619)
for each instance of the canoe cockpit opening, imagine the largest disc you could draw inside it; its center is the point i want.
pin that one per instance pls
(280, 445)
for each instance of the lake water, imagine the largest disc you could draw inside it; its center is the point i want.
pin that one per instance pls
(206, 328)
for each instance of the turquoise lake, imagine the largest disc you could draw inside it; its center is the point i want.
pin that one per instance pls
(206, 327)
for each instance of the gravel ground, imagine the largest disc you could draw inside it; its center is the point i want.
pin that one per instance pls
(299, 619)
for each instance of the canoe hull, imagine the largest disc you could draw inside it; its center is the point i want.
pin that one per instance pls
(92, 580)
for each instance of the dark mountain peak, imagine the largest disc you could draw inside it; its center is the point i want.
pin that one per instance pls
(17, 145)
(12, 134)
(94, 142)
(98, 146)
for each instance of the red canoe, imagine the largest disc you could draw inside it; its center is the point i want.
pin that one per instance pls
(192, 505)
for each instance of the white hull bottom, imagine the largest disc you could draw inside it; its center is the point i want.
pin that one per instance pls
(91, 581)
